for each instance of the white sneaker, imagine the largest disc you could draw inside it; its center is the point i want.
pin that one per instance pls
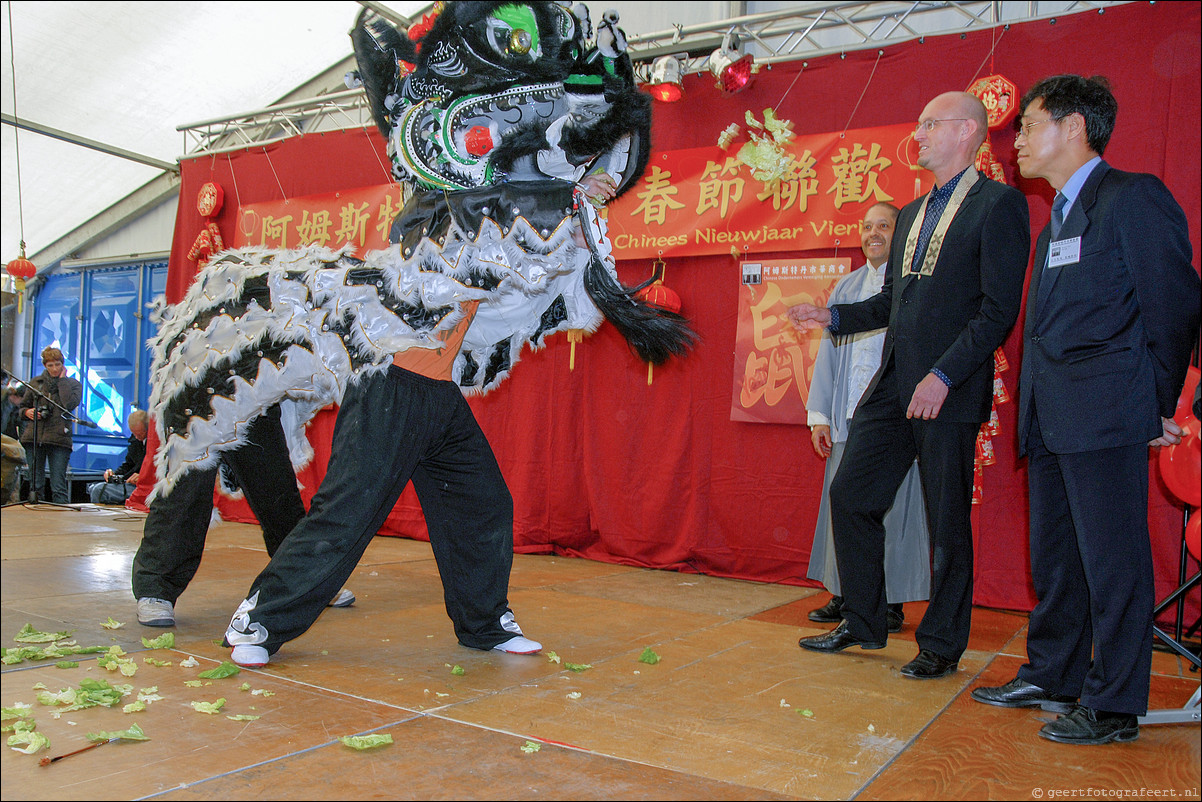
(519, 645)
(250, 656)
(344, 599)
(156, 613)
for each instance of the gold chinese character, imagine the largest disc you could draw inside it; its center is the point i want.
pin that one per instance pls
(719, 193)
(657, 197)
(856, 176)
(795, 186)
(275, 229)
(353, 224)
(315, 229)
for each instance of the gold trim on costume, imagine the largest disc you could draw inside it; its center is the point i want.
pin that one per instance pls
(936, 244)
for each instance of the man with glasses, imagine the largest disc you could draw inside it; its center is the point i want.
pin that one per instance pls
(951, 295)
(1112, 314)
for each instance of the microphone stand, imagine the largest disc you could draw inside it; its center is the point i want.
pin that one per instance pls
(34, 466)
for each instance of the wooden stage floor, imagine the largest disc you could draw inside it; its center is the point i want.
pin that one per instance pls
(733, 710)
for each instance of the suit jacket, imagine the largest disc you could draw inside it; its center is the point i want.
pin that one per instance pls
(1107, 340)
(958, 316)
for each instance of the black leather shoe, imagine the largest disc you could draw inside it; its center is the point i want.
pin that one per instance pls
(837, 640)
(928, 665)
(895, 617)
(1084, 725)
(1020, 693)
(829, 613)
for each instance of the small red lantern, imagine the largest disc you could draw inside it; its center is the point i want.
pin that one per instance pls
(21, 269)
(658, 295)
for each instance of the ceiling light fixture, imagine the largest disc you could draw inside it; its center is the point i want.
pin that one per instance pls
(732, 70)
(665, 83)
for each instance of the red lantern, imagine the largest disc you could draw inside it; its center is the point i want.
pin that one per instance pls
(659, 295)
(21, 269)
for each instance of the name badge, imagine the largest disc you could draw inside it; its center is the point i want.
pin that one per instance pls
(1064, 252)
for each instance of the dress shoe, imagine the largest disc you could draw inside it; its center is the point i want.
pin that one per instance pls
(895, 617)
(829, 613)
(1084, 725)
(928, 665)
(1020, 693)
(837, 640)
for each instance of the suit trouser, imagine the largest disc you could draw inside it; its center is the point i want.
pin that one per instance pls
(1090, 635)
(173, 537)
(881, 445)
(393, 427)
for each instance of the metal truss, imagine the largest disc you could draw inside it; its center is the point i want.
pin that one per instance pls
(808, 30)
(800, 31)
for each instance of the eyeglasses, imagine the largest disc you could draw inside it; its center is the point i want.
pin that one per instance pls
(929, 125)
(1025, 129)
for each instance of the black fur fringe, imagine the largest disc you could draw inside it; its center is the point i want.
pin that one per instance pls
(655, 334)
(378, 46)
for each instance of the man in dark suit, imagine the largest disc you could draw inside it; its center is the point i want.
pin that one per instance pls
(951, 295)
(1112, 313)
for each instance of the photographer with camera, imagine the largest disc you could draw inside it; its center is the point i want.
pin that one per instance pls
(46, 425)
(120, 482)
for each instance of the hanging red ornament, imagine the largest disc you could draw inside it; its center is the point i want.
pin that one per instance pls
(657, 294)
(21, 269)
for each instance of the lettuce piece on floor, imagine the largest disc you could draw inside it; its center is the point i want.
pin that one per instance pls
(66, 664)
(649, 657)
(134, 733)
(208, 707)
(226, 669)
(531, 746)
(30, 635)
(164, 641)
(577, 667)
(31, 740)
(366, 741)
(243, 717)
(111, 624)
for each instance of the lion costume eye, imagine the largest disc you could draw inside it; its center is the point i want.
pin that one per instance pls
(513, 31)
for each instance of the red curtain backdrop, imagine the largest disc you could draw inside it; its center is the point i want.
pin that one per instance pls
(603, 466)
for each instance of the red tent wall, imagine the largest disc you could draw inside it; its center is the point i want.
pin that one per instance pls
(602, 465)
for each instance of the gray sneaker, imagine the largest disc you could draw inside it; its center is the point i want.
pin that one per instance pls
(156, 613)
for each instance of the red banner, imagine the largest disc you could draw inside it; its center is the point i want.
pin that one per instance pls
(814, 194)
(361, 217)
(774, 362)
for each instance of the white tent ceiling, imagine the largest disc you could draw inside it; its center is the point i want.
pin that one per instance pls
(126, 75)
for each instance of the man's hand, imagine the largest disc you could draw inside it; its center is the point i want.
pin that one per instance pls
(928, 398)
(599, 188)
(807, 316)
(820, 437)
(1171, 433)
(132, 479)
(108, 474)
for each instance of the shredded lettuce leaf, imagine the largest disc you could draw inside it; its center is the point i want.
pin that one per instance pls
(164, 641)
(208, 707)
(134, 733)
(366, 741)
(111, 624)
(30, 635)
(226, 669)
(32, 740)
(649, 657)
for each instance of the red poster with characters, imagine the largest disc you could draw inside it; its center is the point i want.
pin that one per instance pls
(778, 192)
(361, 217)
(774, 362)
